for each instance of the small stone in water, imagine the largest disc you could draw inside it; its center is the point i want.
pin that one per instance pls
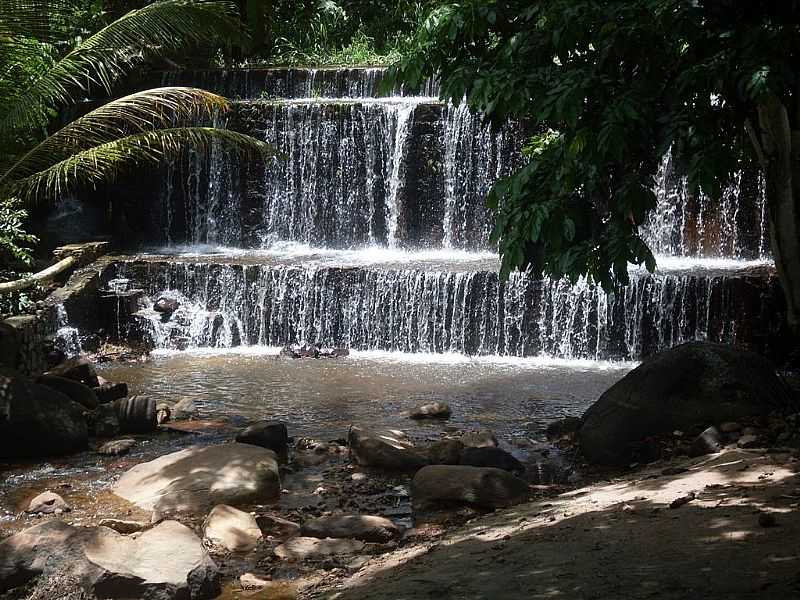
(433, 410)
(117, 447)
(48, 503)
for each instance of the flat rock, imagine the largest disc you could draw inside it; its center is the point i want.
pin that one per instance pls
(197, 478)
(490, 457)
(277, 527)
(479, 439)
(117, 447)
(359, 527)
(77, 369)
(167, 562)
(48, 503)
(432, 410)
(184, 409)
(388, 450)
(303, 548)
(267, 434)
(74, 390)
(122, 526)
(482, 486)
(231, 528)
(445, 452)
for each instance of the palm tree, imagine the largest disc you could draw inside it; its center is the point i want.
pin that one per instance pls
(43, 69)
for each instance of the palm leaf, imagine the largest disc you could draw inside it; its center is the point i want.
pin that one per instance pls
(40, 19)
(105, 161)
(142, 112)
(158, 29)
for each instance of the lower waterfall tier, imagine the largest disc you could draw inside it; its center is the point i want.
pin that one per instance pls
(471, 312)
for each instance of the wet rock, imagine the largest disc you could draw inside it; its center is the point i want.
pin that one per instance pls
(123, 527)
(730, 427)
(74, 390)
(40, 421)
(432, 410)
(490, 457)
(108, 392)
(267, 434)
(136, 414)
(482, 486)
(359, 527)
(445, 452)
(682, 500)
(163, 413)
(708, 442)
(566, 428)
(77, 369)
(767, 519)
(249, 581)
(693, 383)
(166, 305)
(48, 503)
(309, 548)
(194, 479)
(277, 527)
(110, 565)
(389, 450)
(231, 528)
(749, 441)
(103, 421)
(479, 439)
(184, 409)
(116, 447)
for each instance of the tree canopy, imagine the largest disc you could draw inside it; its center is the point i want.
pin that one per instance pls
(609, 86)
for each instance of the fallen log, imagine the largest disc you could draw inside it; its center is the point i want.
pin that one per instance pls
(40, 277)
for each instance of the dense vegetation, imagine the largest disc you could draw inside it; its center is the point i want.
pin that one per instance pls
(612, 85)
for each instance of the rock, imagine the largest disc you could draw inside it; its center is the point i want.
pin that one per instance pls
(194, 479)
(304, 548)
(490, 457)
(123, 527)
(117, 447)
(231, 528)
(267, 434)
(389, 450)
(108, 392)
(445, 452)
(74, 390)
(184, 409)
(479, 439)
(730, 427)
(136, 414)
(163, 413)
(40, 421)
(566, 428)
(249, 581)
(682, 500)
(277, 527)
(749, 441)
(359, 527)
(691, 384)
(767, 519)
(433, 410)
(103, 421)
(167, 562)
(77, 369)
(166, 305)
(708, 442)
(482, 486)
(48, 503)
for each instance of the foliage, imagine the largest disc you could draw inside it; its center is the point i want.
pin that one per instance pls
(15, 242)
(610, 86)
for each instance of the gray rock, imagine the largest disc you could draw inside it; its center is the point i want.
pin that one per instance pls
(267, 434)
(730, 427)
(432, 410)
(184, 409)
(108, 392)
(197, 478)
(309, 548)
(749, 441)
(388, 450)
(47, 503)
(77, 369)
(277, 527)
(482, 486)
(358, 527)
(566, 428)
(117, 447)
(445, 452)
(695, 383)
(104, 421)
(122, 526)
(708, 442)
(490, 457)
(40, 422)
(479, 439)
(166, 305)
(167, 562)
(74, 390)
(231, 528)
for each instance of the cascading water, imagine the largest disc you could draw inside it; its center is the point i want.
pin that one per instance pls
(357, 173)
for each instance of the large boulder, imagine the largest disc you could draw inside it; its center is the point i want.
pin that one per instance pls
(488, 456)
(389, 450)
(231, 528)
(366, 528)
(167, 562)
(77, 369)
(39, 420)
(267, 434)
(687, 388)
(75, 390)
(195, 479)
(482, 486)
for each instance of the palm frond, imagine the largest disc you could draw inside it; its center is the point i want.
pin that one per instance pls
(158, 29)
(141, 112)
(40, 19)
(105, 161)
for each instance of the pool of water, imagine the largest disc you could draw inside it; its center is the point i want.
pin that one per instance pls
(321, 398)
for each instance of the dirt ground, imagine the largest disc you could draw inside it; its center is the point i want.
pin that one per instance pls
(616, 539)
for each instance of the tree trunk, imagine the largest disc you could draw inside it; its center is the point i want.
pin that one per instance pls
(781, 163)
